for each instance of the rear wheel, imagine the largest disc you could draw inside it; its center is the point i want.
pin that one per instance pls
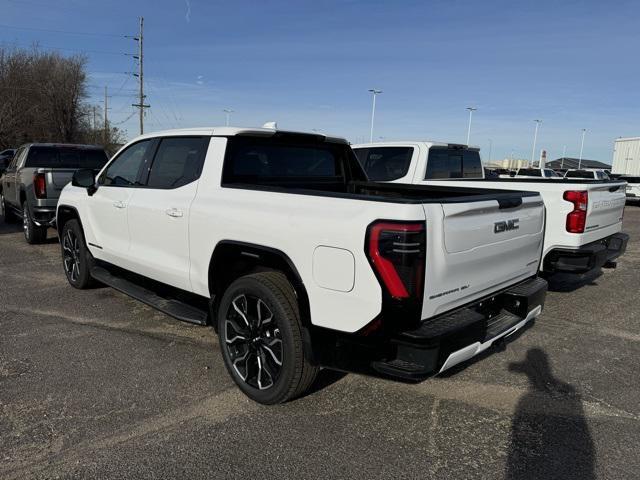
(77, 261)
(9, 216)
(261, 338)
(32, 233)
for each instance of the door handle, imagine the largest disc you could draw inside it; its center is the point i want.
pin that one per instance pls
(173, 212)
(119, 204)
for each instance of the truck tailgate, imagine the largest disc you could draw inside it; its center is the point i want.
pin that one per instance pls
(477, 248)
(56, 179)
(605, 205)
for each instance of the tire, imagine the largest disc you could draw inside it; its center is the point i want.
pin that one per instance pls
(258, 326)
(9, 216)
(77, 261)
(33, 234)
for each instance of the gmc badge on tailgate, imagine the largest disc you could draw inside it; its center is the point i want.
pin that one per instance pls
(506, 225)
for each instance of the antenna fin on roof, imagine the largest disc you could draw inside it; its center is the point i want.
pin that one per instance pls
(271, 125)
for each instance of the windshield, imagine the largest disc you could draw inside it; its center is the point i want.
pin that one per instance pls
(66, 157)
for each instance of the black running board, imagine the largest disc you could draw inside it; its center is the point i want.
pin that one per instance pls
(172, 307)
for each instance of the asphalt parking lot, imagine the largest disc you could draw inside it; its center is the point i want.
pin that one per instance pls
(96, 385)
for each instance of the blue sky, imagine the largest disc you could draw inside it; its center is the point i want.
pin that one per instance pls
(308, 65)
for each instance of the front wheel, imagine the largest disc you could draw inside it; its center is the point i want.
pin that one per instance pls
(77, 261)
(261, 338)
(32, 233)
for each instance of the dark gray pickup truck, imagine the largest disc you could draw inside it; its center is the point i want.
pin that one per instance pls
(31, 185)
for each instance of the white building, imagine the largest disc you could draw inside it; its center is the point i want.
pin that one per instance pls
(626, 156)
(511, 163)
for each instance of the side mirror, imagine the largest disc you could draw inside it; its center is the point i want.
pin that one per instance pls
(85, 178)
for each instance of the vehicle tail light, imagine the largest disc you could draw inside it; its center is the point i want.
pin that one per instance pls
(397, 253)
(40, 185)
(577, 219)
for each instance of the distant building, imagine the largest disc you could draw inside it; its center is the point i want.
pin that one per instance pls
(510, 163)
(626, 156)
(568, 162)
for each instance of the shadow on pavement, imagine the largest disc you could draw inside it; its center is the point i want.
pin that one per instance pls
(544, 443)
(6, 228)
(563, 282)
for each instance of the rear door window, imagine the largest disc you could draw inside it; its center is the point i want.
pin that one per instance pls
(384, 164)
(65, 157)
(447, 162)
(177, 162)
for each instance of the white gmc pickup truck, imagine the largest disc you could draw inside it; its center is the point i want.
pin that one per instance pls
(584, 217)
(278, 240)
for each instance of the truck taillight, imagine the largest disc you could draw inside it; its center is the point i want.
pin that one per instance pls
(577, 219)
(397, 253)
(40, 185)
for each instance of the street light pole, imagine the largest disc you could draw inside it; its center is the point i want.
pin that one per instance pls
(564, 152)
(471, 110)
(375, 93)
(584, 130)
(490, 147)
(535, 139)
(228, 113)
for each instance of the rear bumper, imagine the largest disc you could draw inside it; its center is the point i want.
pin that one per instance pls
(43, 216)
(587, 257)
(440, 343)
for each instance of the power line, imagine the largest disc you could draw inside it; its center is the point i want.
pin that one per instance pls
(68, 32)
(49, 47)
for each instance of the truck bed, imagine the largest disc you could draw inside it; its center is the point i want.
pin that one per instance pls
(392, 192)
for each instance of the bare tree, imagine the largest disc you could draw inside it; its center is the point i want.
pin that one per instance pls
(43, 98)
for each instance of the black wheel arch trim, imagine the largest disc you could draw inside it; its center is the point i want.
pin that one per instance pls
(74, 214)
(262, 255)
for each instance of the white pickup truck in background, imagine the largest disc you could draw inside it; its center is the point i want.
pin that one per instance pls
(633, 187)
(278, 240)
(539, 173)
(584, 217)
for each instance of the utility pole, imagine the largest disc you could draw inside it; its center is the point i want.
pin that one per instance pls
(375, 93)
(490, 148)
(140, 57)
(228, 113)
(94, 125)
(471, 110)
(584, 130)
(106, 118)
(535, 139)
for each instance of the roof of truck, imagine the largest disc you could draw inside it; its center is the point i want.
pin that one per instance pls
(64, 145)
(232, 131)
(428, 143)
